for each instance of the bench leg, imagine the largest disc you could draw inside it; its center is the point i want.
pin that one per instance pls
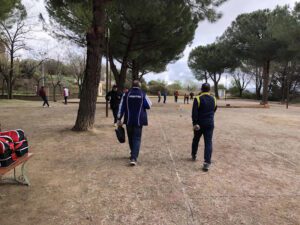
(22, 179)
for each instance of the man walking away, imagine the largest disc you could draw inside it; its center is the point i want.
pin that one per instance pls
(176, 94)
(43, 95)
(204, 108)
(192, 95)
(133, 107)
(159, 96)
(164, 94)
(114, 98)
(186, 98)
(66, 94)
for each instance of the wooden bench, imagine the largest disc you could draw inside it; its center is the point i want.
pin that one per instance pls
(22, 179)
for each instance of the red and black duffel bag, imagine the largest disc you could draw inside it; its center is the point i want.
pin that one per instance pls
(19, 141)
(16, 135)
(7, 155)
(21, 148)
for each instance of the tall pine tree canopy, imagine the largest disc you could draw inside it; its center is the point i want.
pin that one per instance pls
(6, 6)
(150, 34)
(144, 35)
(74, 17)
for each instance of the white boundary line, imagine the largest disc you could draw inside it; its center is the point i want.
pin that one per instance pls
(187, 200)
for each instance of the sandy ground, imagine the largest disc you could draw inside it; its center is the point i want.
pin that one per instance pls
(84, 178)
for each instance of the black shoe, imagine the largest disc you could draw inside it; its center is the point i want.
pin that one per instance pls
(194, 157)
(133, 162)
(205, 167)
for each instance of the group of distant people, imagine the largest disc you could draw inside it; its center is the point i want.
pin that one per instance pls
(132, 105)
(164, 94)
(43, 94)
(187, 97)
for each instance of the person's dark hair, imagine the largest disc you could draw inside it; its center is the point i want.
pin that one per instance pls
(205, 87)
(136, 83)
(114, 86)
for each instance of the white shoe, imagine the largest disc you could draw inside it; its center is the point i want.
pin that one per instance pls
(132, 162)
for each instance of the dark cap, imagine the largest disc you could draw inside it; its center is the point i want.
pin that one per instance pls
(205, 87)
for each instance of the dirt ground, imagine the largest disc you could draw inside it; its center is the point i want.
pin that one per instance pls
(84, 178)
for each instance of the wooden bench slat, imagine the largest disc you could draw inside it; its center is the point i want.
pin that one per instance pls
(4, 170)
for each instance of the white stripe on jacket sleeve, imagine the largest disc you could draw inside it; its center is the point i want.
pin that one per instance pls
(121, 111)
(148, 101)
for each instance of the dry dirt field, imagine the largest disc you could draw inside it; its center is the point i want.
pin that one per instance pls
(84, 178)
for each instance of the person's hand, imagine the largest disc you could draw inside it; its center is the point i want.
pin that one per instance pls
(196, 127)
(119, 123)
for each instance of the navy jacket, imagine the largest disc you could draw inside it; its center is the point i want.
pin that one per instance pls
(204, 108)
(133, 107)
(114, 97)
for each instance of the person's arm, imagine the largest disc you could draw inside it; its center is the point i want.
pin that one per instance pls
(146, 102)
(216, 106)
(122, 108)
(195, 112)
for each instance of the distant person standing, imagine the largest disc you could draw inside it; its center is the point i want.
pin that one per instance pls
(186, 98)
(204, 108)
(164, 94)
(43, 95)
(159, 96)
(133, 107)
(192, 95)
(176, 94)
(114, 98)
(66, 94)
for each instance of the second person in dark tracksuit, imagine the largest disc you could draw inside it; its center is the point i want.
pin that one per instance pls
(114, 96)
(133, 107)
(204, 108)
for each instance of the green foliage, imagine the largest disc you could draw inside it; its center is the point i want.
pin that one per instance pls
(155, 86)
(145, 36)
(71, 18)
(7, 6)
(213, 59)
(150, 33)
(175, 86)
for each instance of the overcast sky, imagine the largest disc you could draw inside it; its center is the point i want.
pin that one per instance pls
(205, 34)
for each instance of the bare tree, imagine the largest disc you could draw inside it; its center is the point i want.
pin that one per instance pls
(4, 72)
(53, 69)
(13, 33)
(77, 65)
(241, 80)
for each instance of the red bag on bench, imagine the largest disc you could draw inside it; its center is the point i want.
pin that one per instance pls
(7, 155)
(21, 147)
(16, 135)
(8, 140)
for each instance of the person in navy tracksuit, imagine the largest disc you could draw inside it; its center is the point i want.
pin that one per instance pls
(204, 108)
(133, 107)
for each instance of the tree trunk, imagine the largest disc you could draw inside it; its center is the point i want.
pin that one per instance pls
(205, 76)
(258, 83)
(135, 70)
(266, 83)
(216, 89)
(54, 93)
(95, 48)
(79, 90)
(11, 73)
(241, 92)
(3, 87)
